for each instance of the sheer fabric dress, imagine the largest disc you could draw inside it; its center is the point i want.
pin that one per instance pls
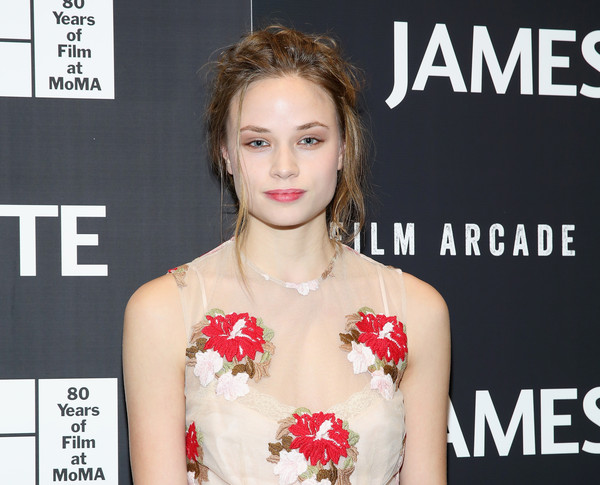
(292, 385)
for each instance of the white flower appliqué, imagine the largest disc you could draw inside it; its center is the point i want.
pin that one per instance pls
(313, 481)
(361, 357)
(232, 386)
(191, 479)
(383, 383)
(207, 365)
(291, 464)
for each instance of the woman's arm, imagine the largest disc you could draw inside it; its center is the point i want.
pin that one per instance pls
(425, 385)
(153, 371)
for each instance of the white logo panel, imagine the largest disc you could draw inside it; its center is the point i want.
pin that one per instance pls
(72, 45)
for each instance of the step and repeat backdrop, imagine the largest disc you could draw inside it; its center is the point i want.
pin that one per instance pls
(485, 120)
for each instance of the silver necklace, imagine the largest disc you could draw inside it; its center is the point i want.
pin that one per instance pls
(303, 288)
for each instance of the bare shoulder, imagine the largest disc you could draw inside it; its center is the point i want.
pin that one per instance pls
(424, 301)
(156, 295)
(155, 308)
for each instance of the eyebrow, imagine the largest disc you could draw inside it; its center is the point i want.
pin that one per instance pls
(260, 129)
(312, 124)
(256, 129)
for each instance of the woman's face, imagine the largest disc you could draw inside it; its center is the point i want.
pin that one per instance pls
(290, 150)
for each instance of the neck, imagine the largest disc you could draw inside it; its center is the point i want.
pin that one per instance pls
(295, 254)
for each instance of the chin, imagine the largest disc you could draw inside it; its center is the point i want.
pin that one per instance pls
(288, 223)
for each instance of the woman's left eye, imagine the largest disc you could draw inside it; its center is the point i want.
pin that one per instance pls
(309, 140)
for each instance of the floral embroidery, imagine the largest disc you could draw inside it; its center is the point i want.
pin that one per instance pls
(232, 386)
(234, 335)
(191, 442)
(376, 344)
(361, 357)
(208, 363)
(291, 465)
(179, 275)
(314, 448)
(197, 472)
(226, 347)
(383, 383)
(383, 335)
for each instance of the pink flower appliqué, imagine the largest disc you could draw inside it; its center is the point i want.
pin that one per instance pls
(232, 386)
(234, 335)
(383, 335)
(191, 479)
(382, 383)
(313, 481)
(361, 357)
(291, 464)
(207, 365)
(320, 437)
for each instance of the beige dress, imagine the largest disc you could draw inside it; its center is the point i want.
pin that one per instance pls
(289, 385)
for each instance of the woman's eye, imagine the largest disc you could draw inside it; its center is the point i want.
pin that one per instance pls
(258, 143)
(309, 140)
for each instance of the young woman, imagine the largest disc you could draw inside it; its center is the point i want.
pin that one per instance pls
(283, 356)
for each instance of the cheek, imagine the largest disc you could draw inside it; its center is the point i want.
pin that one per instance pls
(329, 181)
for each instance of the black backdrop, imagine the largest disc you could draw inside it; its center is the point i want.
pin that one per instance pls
(525, 368)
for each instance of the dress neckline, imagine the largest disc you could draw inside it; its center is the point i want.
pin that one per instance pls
(304, 287)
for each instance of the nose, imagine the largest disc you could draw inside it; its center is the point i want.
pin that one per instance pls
(284, 164)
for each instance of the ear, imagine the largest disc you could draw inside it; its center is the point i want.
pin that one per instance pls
(225, 155)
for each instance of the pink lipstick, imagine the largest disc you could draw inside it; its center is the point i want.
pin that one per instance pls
(285, 195)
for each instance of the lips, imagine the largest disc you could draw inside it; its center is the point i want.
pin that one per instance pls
(285, 195)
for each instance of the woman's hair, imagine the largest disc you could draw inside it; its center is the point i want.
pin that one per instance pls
(278, 51)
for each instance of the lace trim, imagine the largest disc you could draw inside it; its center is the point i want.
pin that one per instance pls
(303, 288)
(272, 408)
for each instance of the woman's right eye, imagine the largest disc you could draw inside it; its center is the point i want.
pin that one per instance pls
(258, 143)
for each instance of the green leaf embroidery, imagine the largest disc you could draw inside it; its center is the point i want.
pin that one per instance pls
(352, 437)
(265, 357)
(302, 411)
(268, 334)
(348, 463)
(227, 366)
(366, 309)
(215, 311)
(306, 475)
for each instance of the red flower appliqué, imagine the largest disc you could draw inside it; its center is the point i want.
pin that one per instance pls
(234, 335)
(191, 443)
(320, 437)
(383, 335)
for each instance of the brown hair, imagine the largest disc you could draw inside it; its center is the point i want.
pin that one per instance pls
(278, 51)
